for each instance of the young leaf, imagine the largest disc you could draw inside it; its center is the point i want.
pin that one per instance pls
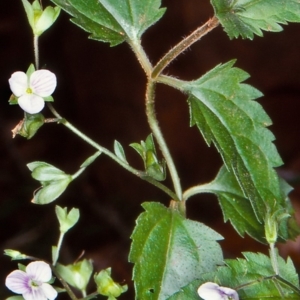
(51, 190)
(256, 279)
(113, 21)
(249, 17)
(222, 108)
(66, 219)
(170, 251)
(42, 171)
(119, 151)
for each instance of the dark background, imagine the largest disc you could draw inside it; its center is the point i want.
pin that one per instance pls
(101, 90)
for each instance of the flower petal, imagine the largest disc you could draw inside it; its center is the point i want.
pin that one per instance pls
(35, 294)
(210, 291)
(30, 103)
(17, 282)
(49, 291)
(42, 83)
(18, 83)
(39, 270)
(229, 292)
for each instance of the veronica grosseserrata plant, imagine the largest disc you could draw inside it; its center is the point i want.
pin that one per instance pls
(174, 257)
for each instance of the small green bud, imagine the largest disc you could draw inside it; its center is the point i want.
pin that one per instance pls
(14, 254)
(154, 168)
(106, 286)
(271, 229)
(39, 19)
(272, 222)
(78, 274)
(66, 220)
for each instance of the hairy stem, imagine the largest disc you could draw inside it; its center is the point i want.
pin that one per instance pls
(141, 56)
(183, 45)
(124, 164)
(150, 111)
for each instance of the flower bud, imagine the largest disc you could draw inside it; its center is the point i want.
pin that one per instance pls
(39, 19)
(106, 285)
(78, 274)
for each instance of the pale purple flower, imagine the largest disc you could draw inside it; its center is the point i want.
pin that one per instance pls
(31, 90)
(32, 284)
(212, 291)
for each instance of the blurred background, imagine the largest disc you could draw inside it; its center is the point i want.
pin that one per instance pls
(101, 91)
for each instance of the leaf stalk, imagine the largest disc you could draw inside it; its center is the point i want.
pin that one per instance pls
(183, 45)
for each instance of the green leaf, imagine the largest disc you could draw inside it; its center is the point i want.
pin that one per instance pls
(139, 149)
(113, 21)
(51, 191)
(256, 279)
(170, 251)
(188, 292)
(42, 171)
(224, 111)
(235, 206)
(248, 17)
(119, 151)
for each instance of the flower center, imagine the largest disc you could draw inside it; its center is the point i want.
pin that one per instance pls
(29, 90)
(34, 283)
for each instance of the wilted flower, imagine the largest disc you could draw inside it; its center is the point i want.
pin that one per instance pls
(30, 90)
(32, 284)
(212, 291)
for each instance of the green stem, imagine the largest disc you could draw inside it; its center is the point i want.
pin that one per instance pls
(198, 189)
(141, 56)
(74, 176)
(183, 45)
(59, 243)
(273, 257)
(172, 82)
(275, 278)
(36, 51)
(153, 123)
(124, 164)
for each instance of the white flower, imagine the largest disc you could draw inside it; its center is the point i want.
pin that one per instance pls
(31, 90)
(212, 291)
(32, 284)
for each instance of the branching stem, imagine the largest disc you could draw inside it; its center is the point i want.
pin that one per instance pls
(153, 123)
(124, 164)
